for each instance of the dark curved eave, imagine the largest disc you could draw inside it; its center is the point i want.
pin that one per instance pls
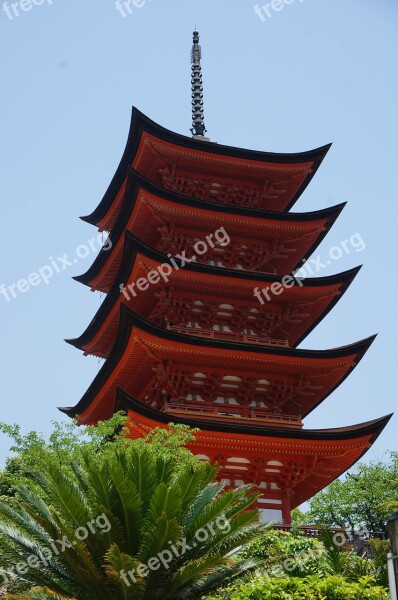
(133, 246)
(125, 401)
(137, 181)
(330, 214)
(128, 319)
(140, 123)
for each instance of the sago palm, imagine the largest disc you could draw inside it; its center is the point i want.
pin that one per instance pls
(100, 531)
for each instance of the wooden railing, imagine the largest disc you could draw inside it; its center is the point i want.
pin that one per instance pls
(229, 412)
(230, 335)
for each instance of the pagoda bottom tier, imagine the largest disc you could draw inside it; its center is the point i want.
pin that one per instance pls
(287, 466)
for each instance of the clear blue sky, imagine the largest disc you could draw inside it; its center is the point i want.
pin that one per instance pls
(314, 72)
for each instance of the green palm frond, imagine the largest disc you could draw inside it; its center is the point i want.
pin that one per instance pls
(164, 471)
(26, 523)
(141, 467)
(221, 505)
(203, 498)
(165, 500)
(336, 558)
(149, 508)
(205, 584)
(192, 481)
(81, 477)
(127, 503)
(99, 485)
(243, 530)
(22, 546)
(65, 494)
(158, 537)
(195, 570)
(121, 569)
(38, 594)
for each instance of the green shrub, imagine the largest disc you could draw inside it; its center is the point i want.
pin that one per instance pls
(333, 587)
(282, 553)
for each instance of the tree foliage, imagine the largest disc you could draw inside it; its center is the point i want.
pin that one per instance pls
(364, 498)
(32, 452)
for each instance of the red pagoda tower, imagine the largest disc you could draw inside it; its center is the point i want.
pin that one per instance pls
(196, 229)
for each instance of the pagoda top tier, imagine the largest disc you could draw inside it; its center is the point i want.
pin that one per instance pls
(208, 171)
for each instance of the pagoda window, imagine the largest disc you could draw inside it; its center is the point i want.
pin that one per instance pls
(218, 327)
(262, 385)
(224, 313)
(275, 486)
(203, 457)
(214, 263)
(270, 514)
(222, 400)
(231, 382)
(257, 404)
(194, 397)
(194, 325)
(198, 378)
(275, 463)
(239, 482)
(238, 460)
(197, 304)
(226, 482)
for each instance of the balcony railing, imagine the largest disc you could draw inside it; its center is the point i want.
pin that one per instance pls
(230, 335)
(229, 412)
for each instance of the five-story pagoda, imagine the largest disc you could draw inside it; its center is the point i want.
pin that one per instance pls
(196, 231)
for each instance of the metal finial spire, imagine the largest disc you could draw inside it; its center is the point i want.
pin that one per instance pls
(198, 117)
